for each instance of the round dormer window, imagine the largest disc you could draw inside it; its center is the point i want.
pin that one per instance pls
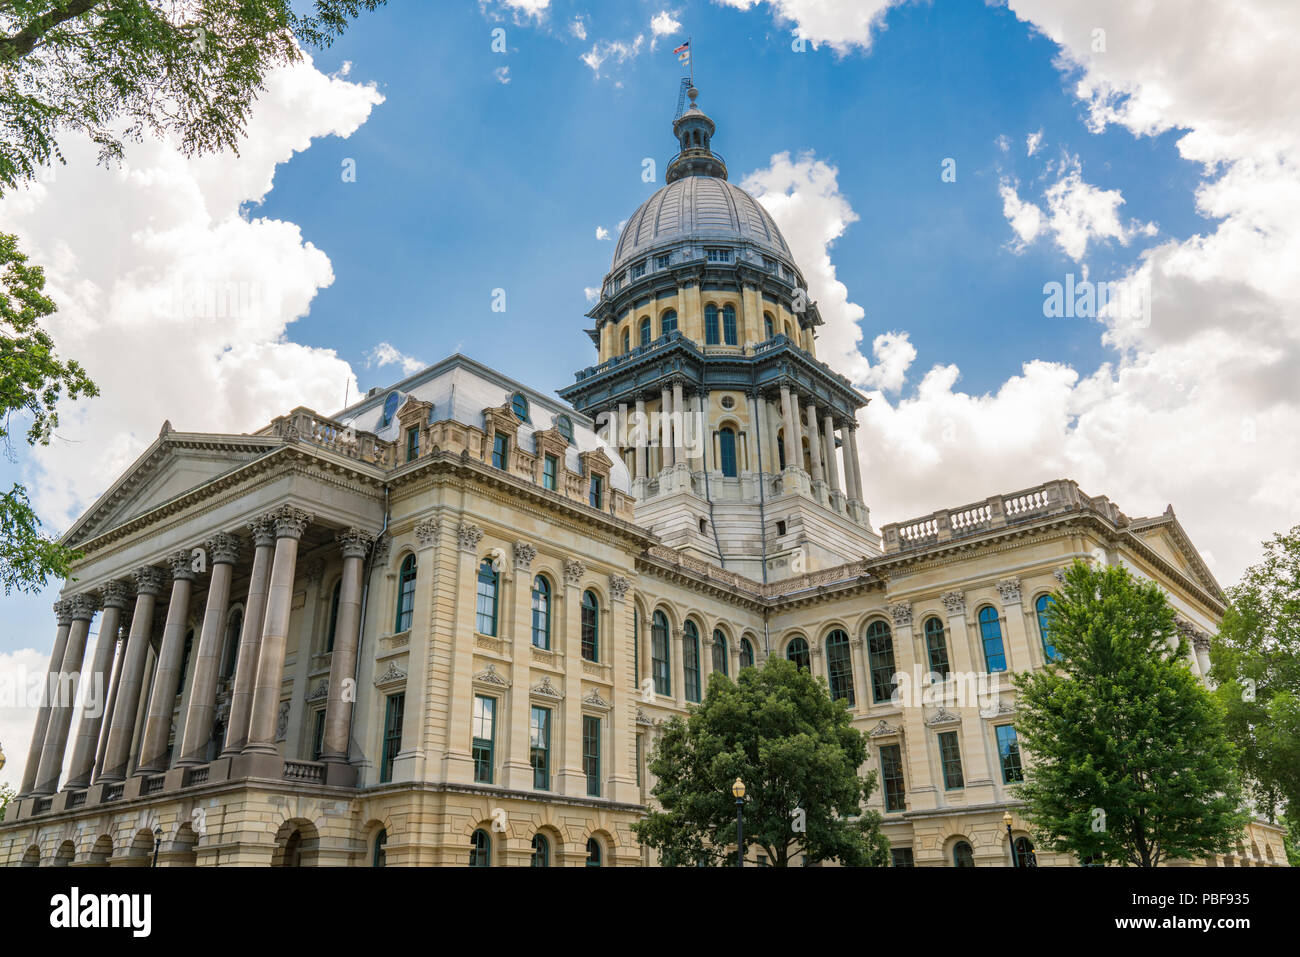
(728, 402)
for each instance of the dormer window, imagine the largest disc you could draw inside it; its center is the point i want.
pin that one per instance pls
(638, 269)
(771, 265)
(412, 444)
(519, 406)
(565, 426)
(718, 254)
(662, 260)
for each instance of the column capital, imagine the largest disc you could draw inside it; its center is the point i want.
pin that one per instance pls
(224, 548)
(954, 602)
(263, 532)
(182, 565)
(63, 611)
(573, 571)
(618, 586)
(117, 594)
(426, 532)
(148, 580)
(290, 522)
(469, 535)
(901, 612)
(1009, 589)
(525, 552)
(84, 606)
(356, 542)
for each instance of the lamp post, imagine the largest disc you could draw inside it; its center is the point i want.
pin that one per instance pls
(1011, 844)
(157, 843)
(738, 789)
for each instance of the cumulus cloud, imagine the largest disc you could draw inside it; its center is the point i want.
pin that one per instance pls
(591, 292)
(662, 23)
(385, 354)
(502, 74)
(616, 50)
(843, 25)
(602, 232)
(578, 28)
(1026, 219)
(1033, 142)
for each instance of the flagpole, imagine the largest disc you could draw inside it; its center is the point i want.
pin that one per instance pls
(691, 62)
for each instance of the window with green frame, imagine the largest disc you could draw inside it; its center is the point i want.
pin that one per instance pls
(519, 405)
(500, 451)
(936, 648)
(393, 709)
(950, 760)
(839, 667)
(380, 855)
(668, 322)
(797, 651)
(727, 452)
(564, 425)
(719, 651)
(480, 849)
(962, 856)
(593, 852)
(542, 613)
(1009, 754)
(991, 636)
(636, 647)
(729, 325)
(550, 473)
(539, 747)
(691, 661)
(711, 325)
(596, 492)
(1041, 605)
(485, 612)
(880, 657)
(746, 653)
(891, 777)
(413, 444)
(901, 857)
(484, 732)
(591, 753)
(659, 661)
(405, 595)
(541, 851)
(590, 625)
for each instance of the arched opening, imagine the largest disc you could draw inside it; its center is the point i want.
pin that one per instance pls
(880, 658)
(797, 651)
(746, 653)
(627, 341)
(711, 337)
(962, 855)
(595, 854)
(67, 851)
(719, 651)
(1024, 850)
(480, 849)
(541, 851)
(729, 335)
(839, 667)
(691, 661)
(727, 452)
(659, 663)
(379, 850)
(485, 611)
(542, 613)
(102, 850)
(297, 844)
(405, 595)
(644, 330)
(995, 658)
(590, 626)
(668, 322)
(32, 857)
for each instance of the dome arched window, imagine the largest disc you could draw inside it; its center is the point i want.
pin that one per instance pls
(729, 326)
(644, 331)
(711, 337)
(668, 322)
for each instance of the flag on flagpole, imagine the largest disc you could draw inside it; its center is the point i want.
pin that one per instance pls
(684, 46)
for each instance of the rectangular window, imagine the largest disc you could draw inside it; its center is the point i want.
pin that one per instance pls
(485, 715)
(591, 754)
(950, 758)
(392, 735)
(640, 756)
(638, 269)
(317, 734)
(500, 451)
(901, 857)
(891, 777)
(597, 496)
(1009, 754)
(539, 747)
(412, 444)
(717, 255)
(661, 262)
(550, 473)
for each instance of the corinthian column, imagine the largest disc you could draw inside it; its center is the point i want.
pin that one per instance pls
(832, 468)
(224, 552)
(290, 523)
(116, 598)
(343, 662)
(640, 439)
(121, 728)
(167, 673)
(250, 638)
(665, 428)
(853, 462)
(63, 613)
(56, 735)
(815, 446)
(793, 447)
(679, 423)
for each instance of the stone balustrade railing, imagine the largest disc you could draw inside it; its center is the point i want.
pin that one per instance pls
(304, 425)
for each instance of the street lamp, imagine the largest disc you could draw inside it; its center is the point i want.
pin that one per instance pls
(738, 789)
(1011, 844)
(157, 843)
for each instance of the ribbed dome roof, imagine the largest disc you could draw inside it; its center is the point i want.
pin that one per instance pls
(698, 208)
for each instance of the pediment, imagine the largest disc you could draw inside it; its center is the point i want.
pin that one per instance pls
(1166, 537)
(176, 463)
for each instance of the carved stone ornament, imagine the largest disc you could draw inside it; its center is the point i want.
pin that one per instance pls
(63, 610)
(618, 586)
(391, 676)
(942, 717)
(595, 700)
(282, 721)
(469, 536)
(954, 602)
(573, 571)
(525, 552)
(383, 545)
(84, 606)
(322, 690)
(490, 676)
(547, 690)
(1059, 575)
(116, 594)
(1201, 641)
(263, 533)
(882, 730)
(902, 613)
(148, 580)
(182, 565)
(355, 542)
(223, 548)
(290, 522)
(1009, 589)
(643, 718)
(426, 533)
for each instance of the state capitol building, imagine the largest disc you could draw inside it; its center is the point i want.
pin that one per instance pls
(443, 625)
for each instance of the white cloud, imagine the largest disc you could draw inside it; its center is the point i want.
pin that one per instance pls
(591, 292)
(22, 674)
(178, 305)
(386, 354)
(529, 8)
(578, 28)
(842, 25)
(1003, 142)
(1033, 142)
(502, 74)
(663, 23)
(1026, 219)
(602, 232)
(616, 50)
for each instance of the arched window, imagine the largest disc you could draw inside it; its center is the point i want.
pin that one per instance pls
(839, 666)
(485, 617)
(380, 857)
(729, 325)
(746, 653)
(727, 452)
(480, 849)
(797, 651)
(593, 852)
(719, 651)
(962, 855)
(590, 626)
(405, 595)
(627, 341)
(645, 330)
(519, 406)
(788, 333)
(541, 851)
(668, 322)
(1025, 853)
(995, 658)
(691, 660)
(334, 616)
(542, 613)
(565, 427)
(880, 656)
(936, 648)
(768, 327)
(710, 325)
(659, 663)
(1041, 606)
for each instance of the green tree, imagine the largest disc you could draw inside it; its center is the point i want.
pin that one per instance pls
(7, 794)
(1256, 662)
(32, 380)
(117, 69)
(777, 729)
(1129, 762)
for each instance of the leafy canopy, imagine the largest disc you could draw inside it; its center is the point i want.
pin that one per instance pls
(1129, 760)
(777, 729)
